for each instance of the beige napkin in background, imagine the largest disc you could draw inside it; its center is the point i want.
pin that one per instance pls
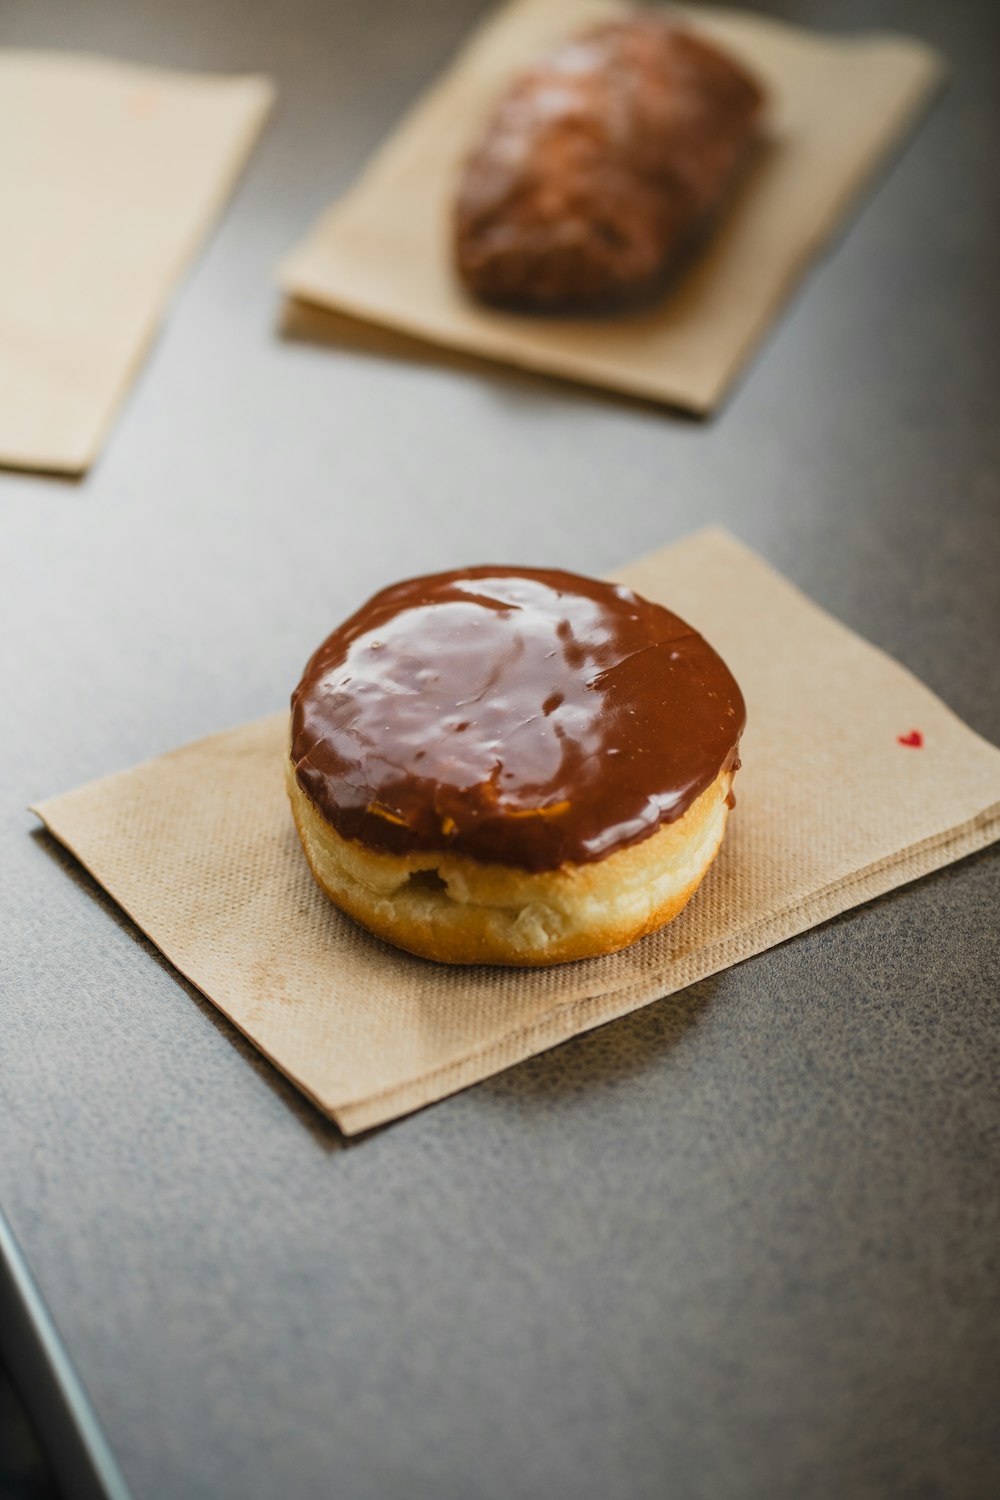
(382, 252)
(832, 809)
(110, 176)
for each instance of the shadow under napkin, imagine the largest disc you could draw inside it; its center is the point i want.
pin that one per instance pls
(302, 322)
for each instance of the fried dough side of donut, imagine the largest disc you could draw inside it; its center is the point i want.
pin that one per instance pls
(453, 909)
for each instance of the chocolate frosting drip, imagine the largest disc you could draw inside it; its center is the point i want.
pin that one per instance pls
(518, 716)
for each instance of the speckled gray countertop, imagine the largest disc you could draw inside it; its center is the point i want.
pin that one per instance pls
(743, 1243)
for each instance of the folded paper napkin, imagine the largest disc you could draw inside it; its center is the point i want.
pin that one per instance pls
(838, 107)
(199, 848)
(110, 176)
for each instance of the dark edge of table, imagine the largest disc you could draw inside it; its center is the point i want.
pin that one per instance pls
(49, 1386)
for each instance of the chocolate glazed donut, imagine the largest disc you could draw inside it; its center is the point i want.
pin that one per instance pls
(473, 754)
(601, 164)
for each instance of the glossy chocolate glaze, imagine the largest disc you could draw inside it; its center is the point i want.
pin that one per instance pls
(518, 716)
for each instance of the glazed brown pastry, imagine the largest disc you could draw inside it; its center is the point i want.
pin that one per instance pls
(512, 765)
(601, 164)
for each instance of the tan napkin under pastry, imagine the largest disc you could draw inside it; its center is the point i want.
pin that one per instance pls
(382, 252)
(110, 176)
(832, 809)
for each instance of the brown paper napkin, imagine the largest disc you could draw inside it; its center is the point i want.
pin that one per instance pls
(110, 176)
(832, 809)
(382, 252)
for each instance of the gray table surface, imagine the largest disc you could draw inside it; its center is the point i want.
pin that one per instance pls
(742, 1243)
